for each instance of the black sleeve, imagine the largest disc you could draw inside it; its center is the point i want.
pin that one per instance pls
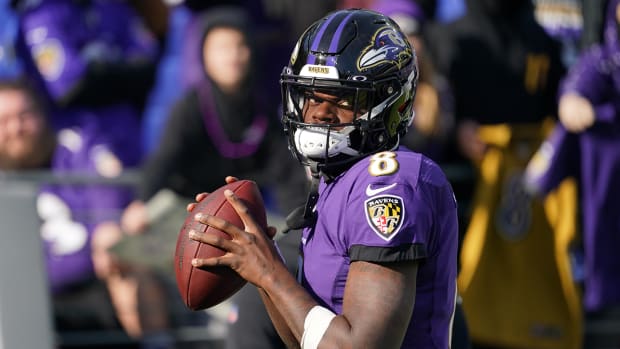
(375, 254)
(183, 129)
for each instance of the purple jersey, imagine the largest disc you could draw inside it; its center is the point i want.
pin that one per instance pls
(69, 213)
(64, 37)
(389, 207)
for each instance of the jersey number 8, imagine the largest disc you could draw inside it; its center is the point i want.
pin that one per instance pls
(383, 163)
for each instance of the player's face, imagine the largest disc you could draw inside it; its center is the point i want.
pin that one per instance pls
(324, 108)
(226, 56)
(22, 127)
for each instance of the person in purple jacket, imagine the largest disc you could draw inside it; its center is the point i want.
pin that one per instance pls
(73, 215)
(378, 254)
(586, 145)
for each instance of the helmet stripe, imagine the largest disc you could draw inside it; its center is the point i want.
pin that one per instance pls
(336, 38)
(320, 40)
(317, 40)
(334, 44)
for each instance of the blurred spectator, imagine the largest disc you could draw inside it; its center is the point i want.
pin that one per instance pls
(26, 139)
(227, 120)
(585, 146)
(277, 23)
(10, 63)
(71, 214)
(515, 279)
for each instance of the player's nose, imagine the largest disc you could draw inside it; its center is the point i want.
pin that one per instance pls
(324, 113)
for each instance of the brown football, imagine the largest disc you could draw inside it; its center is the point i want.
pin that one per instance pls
(204, 288)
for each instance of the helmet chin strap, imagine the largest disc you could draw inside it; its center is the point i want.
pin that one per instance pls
(305, 215)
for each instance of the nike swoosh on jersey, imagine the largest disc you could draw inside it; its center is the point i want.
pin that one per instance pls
(373, 192)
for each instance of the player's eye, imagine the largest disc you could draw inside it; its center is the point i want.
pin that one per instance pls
(354, 100)
(311, 98)
(346, 103)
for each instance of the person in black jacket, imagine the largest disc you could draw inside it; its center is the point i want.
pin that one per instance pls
(225, 121)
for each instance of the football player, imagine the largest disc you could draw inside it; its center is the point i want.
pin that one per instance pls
(379, 244)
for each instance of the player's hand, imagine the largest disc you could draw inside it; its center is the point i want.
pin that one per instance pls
(575, 112)
(202, 196)
(251, 252)
(135, 218)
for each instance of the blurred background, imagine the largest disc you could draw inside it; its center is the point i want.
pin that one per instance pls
(115, 113)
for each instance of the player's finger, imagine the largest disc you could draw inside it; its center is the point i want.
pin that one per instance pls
(190, 206)
(213, 240)
(219, 224)
(202, 263)
(230, 179)
(201, 196)
(242, 210)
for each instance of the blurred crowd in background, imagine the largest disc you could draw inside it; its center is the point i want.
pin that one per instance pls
(517, 100)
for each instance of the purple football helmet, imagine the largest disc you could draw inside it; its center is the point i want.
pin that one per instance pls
(363, 57)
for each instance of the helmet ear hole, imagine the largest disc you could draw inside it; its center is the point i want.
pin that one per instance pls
(391, 89)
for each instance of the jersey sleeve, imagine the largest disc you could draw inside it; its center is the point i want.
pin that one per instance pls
(389, 218)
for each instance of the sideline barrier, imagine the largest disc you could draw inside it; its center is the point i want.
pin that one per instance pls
(25, 317)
